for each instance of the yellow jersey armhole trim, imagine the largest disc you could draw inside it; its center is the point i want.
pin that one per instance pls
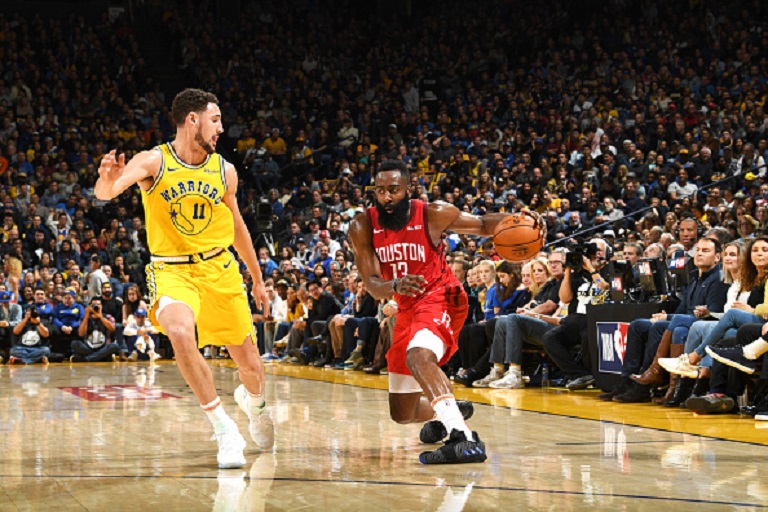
(160, 173)
(222, 163)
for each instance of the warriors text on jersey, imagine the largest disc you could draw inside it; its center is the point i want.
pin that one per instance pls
(184, 209)
(410, 251)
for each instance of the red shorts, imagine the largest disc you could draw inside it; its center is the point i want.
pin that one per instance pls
(442, 311)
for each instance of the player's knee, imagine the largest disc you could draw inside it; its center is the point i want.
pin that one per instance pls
(252, 366)
(417, 358)
(182, 337)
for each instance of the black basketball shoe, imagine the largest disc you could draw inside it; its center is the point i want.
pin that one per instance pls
(457, 450)
(434, 431)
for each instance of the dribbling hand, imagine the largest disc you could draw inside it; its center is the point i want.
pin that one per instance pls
(410, 285)
(259, 293)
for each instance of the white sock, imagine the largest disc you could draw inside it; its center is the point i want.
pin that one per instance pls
(256, 403)
(498, 368)
(755, 349)
(515, 368)
(219, 419)
(449, 414)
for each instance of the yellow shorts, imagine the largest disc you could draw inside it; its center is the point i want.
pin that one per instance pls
(214, 290)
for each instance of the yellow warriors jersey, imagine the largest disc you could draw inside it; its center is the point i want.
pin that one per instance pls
(185, 212)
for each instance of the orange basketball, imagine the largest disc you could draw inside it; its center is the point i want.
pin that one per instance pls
(519, 236)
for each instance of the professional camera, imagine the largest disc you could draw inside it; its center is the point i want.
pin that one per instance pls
(33, 313)
(574, 260)
(96, 308)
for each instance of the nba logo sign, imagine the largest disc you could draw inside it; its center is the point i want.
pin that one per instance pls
(612, 344)
(616, 284)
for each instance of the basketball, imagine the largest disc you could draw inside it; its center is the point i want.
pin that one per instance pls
(519, 236)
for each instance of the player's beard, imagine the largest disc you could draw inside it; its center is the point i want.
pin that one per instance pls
(398, 218)
(203, 144)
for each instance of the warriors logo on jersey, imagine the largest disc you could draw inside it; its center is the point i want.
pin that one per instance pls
(184, 206)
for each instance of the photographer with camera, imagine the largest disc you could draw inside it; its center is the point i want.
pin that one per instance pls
(31, 338)
(582, 285)
(96, 331)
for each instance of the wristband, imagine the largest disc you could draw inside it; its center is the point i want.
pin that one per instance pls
(394, 285)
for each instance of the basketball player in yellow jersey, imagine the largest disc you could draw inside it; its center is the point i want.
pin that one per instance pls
(188, 191)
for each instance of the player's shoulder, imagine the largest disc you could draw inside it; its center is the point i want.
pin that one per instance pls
(439, 206)
(442, 212)
(226, 163)
(359, 223)
(151, 158)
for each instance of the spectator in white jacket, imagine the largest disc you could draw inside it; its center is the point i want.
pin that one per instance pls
(140, 336)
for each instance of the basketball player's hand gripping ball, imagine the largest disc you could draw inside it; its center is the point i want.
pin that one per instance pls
(520, 236)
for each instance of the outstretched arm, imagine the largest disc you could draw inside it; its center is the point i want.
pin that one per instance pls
(368, 264)
(444, 216)
(115, 175)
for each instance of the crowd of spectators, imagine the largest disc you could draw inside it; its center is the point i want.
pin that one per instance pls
(642, 127)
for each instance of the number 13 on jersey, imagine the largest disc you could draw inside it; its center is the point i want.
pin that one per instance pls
(399, 269)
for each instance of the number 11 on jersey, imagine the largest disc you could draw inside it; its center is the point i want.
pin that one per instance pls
(399, 269)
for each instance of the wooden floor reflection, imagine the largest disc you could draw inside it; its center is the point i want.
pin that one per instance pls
(131, 437)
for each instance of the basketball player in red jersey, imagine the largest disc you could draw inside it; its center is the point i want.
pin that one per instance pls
(398, 251)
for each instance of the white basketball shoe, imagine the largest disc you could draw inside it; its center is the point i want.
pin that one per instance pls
(261, 427)
(231, 446)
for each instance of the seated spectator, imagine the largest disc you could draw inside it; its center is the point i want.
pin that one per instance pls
(650, 339)
(580, 287)
(117, 286)
(527, 325)
(360, 328)
(67, 317)
(387, 319)
(266, 325)
(10, 316)
(694, 364)
(333, 337)
(734, 360)
(141, 337)
(322, 306)
(132, 301)
(31, 338)
(94, 342)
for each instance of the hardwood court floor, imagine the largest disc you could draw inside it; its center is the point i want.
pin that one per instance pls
(132, 437)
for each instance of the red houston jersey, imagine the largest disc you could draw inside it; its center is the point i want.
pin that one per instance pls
(411, 251)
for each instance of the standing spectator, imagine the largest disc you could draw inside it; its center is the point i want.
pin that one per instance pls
(97, 278)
